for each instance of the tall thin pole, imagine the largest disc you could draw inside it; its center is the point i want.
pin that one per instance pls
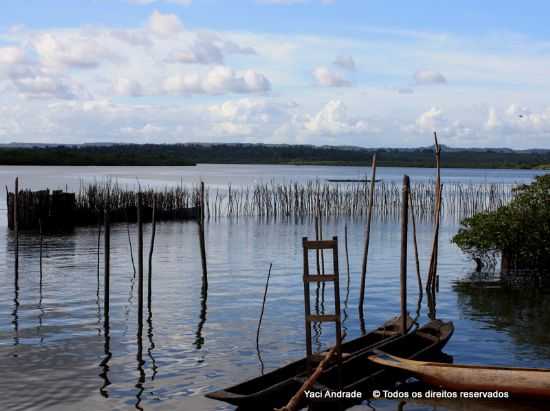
(367, 240)
(16, 225)
(140, 261)
(404, 233)
(432, 270)
(153, 231)
(202, 242)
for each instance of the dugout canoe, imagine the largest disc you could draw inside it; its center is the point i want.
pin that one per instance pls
(518, 382)
(283, 382)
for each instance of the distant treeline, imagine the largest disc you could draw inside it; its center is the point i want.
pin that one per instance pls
(190, 154)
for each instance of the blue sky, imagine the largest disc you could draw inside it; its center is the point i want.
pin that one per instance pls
(276, 71)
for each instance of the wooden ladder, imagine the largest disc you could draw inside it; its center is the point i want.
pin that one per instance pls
(320, 278)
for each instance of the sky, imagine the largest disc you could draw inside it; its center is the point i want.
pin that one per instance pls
(336, 72)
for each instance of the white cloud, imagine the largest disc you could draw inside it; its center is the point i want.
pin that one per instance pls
(126, 87)
(218, 80)
(165, 24)
(492, 120)
(345, 62)
(34, 82)
(431, 120)
(12, 55)
(328, 78)
(428, 77)
(208, 48)
(71, 51)
(333, 119)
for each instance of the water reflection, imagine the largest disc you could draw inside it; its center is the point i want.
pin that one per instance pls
(521, 312)
(199, 339)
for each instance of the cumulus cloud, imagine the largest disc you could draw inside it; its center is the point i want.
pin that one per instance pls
(333, 119)
(429, 77)
(35, 82)
(164, 24)
(76, 51)
(519, 120)
(12, 55)
(208, 49)
(218, 80)
(345, 62)
(328, 78)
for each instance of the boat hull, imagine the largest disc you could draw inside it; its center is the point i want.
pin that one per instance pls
(516, 382)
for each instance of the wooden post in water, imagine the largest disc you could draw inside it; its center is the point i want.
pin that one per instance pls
(140, 261)
(107, 262)
(404, 234)
(153, 231)
(202, 242)
(367, 241)
(16, 225)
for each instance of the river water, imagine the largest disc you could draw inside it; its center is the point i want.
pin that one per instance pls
(56, 354)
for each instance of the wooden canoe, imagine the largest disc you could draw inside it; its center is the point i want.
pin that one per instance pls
(276, 388)
(518, 382)
(283, 382)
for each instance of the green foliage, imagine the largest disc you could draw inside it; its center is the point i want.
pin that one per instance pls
(186, 154)
(520, 229)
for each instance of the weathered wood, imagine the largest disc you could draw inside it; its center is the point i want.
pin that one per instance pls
(140, 263)
(367, 240)
(416, 256)
(294, 402)
(16, 224)
(151, 248)
(319, 245)
(404, 238)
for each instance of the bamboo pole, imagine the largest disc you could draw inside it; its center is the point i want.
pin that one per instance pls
(153, 231)
(367, 241)
(404, 234)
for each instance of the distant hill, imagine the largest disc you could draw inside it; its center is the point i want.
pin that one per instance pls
(240, 153)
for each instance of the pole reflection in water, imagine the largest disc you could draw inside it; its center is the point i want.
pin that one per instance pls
(14, 313)
(139, 357)
(199, 339)
(106, 299)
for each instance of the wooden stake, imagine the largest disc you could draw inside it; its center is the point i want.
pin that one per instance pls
(416, 257)
(404, 234)
(367, 239)
(202, 241)
(140, 262)
(432, 270)
(16, 225)
(153, 230)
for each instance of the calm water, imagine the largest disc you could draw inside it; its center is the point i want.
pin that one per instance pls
(56, 354)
